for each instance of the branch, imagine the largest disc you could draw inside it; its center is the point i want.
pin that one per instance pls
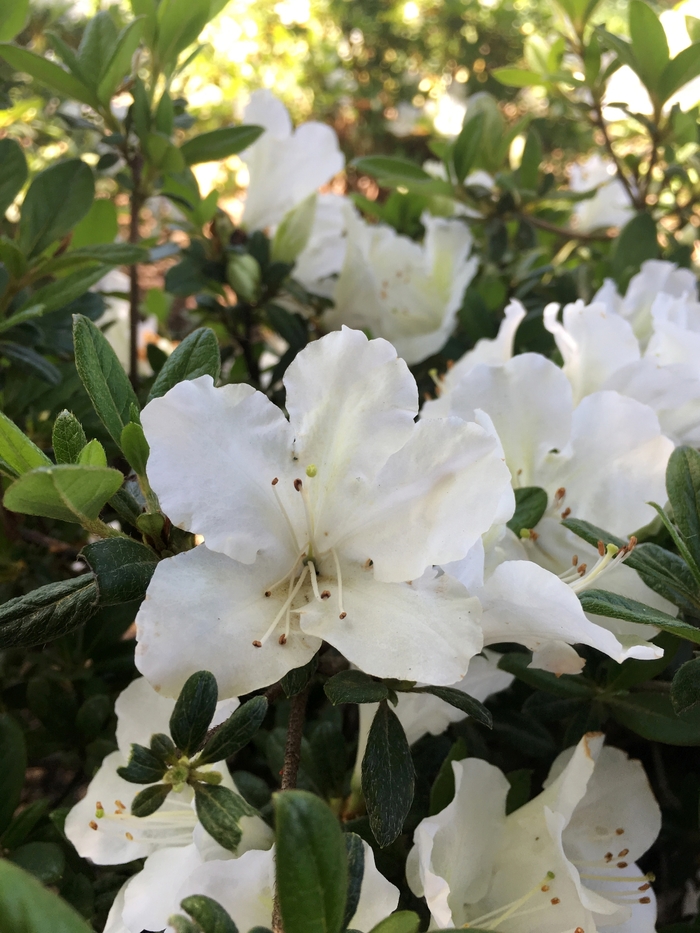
(635, 199)
(565, 232)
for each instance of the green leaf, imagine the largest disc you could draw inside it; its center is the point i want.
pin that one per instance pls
(58, 294)
(219, 144)
(355, 687)
(68, 438)
(197, 355)
(44, 860)
(567, 685)
(119, 65)
(103, 377)
(684, 68)
(179, 24)
(356, 869)
(163, 747)
(194, 711)
(466, 146)
(48, 74)
(97, 46)
(13, 17)
(144, 766)
(13, 171)
(529, 171)
(649, 44)
(614, 606)
(99, 227)
(294, 231)
(220, 812)
(683, 488)
(210, 915)
(387, 776)
(69, 492)
(685, 689)
(26, 906)
(18, 452)
(93, 454)
(13, 764)
(443, 790)
(150, 799)
(123, 569)
(460, 700)
(135, 446)
(56, 200)
(578, 11)
(111, 254)
(636, 243)
(530, 506)
(517, 77)
(47, 612)
(299, 677)
(312, 874)
(236, 732)
(403, 921)
(25, 821)
(652, 716)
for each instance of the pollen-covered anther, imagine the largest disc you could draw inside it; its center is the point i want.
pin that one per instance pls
(645, 900)
(619, 832)
(342, 615)
(298, 485)
(282, 640)
(644, 887)
(609, 856)
(326, 594)
(268, 592)
(559, 495)
(566, 512)
(545, 888)
(92, 824)
(118, 803)
(581, 569)
(601, 548)
(555, 901)
(129, 837)
(574, 560)
(623, 853)
(533, 535)
(275, 481)
(622, 864)
(257, 644)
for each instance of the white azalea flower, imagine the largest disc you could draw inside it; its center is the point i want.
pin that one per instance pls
(101, 826)
(323, 527)
(406, 292)
(610, 206)
(601, 462)
(323, 256)
(285, 165)
(245, 888)
(565, 861)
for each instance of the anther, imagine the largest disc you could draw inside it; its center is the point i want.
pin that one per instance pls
(622, 864)
(342, 615)
(582, 569)
(555, 901)
(257, 644)
(566, 512)
(268, 592)
(118, 803)
(298, 485)
(574, 560)
(129, 837)
(275, 481)
(282, 640)
(99, 812)
(92, 824)
(609, 856)
(644, 887)
(645, 900)
(326, 594)
(623, 853)
(601, 548)
(579, 930)
(545, 888)
(368, 563)
(560, 493)
(619, 832)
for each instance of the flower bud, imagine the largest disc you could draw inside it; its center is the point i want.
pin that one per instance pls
(243, 275)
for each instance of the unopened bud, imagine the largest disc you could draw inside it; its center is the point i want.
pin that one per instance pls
(243, 275)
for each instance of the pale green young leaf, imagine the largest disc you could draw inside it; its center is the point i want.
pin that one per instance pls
(69, 492)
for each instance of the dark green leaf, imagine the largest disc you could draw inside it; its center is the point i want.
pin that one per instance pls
(143, 768)
(182, 925)
(312, 874)
(13, 172)
(298, 678)
(48, 612)
(194, 711)
(683, 488)
(652, 716)
(24, 823)
(685, 689)
(210, 915)
(13, 764)
(197, 355)
(520, 785)
(93, 715)
(220, 811)
(123, 569)
(18, 452)
(387, 776)
(568, 686)
(403, 921)
(70, 492)
(110, 254)
(236, 732)
(684, 68)
(460, 700)
(57, 199)
(163, 747)
(44, 860)
(649, 44)
(99, 227)
(530, 506)
(68, 438)
(636, 243)
(355, 687)
(466, 146)
(150, 799)
(119, 65)
(60, 293)
(26, 906)
(219, 144)
(386, 166)
(529, 171)
(27, 359)
(614, 606)
(47, 73)
(13, 17)
(179, 24)
(356, 869)
(103, 377)
(443, 789)
(97, 45)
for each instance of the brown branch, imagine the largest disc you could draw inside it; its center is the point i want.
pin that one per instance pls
(622, 175)
(565, 232)
(134, 236)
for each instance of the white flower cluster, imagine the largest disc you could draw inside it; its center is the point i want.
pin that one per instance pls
(359, 519)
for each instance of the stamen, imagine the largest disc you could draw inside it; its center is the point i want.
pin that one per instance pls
(314, 582)
(566, 512)
(299, 486)
(287, 576)
(283, 610)
(92, 824)
(500, 914)
(338, 574)
(287, 519)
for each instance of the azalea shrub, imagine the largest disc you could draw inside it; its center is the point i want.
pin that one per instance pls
(350, 555)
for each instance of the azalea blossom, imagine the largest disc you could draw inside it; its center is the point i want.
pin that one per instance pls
(406, 292)
(245, 888)
(324, 527)
(323, 256)
(285, 165)
(601, 461)
(610, 205)
(565, 861)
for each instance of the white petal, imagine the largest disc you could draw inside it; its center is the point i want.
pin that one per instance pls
(141, 712)
(214, 454)
(454, 851)
(155, 892)
(529, 402)
(641, 917)
(115, 923)
(426, 630)
(203, 611)
(119, 837)
(266, 110)
(378, 897)
(433, 500)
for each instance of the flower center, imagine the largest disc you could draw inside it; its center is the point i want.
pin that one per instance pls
(521, 907)
(622, 886)
(579, 577)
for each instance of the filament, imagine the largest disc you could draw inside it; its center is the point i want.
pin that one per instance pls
(340, 584)
(285, 607)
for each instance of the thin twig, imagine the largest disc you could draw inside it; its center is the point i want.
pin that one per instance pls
(564, 232)
(134, 236)
(622, 175)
